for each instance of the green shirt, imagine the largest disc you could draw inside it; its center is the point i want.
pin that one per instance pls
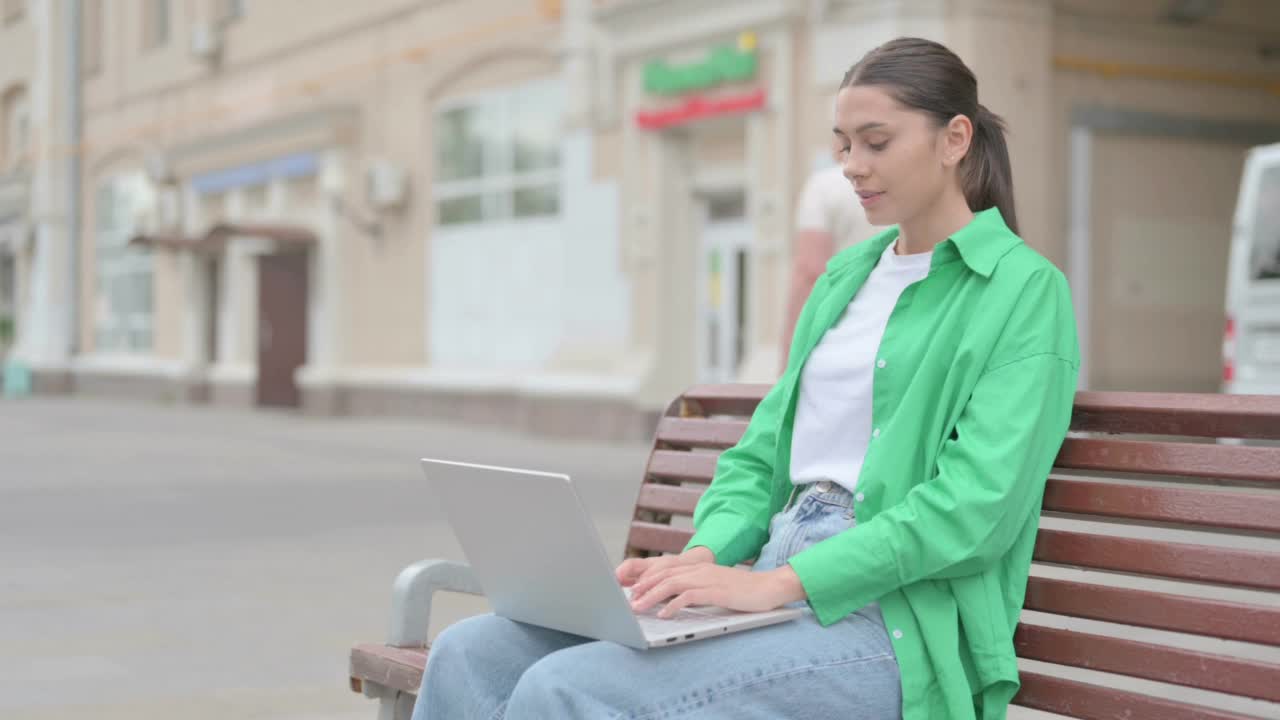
(972, 396)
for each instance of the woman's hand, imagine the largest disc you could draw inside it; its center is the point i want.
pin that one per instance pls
(709, 584)
(636, 570)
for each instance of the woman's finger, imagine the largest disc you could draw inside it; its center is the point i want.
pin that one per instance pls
(632, 569)
(697, 596)
(659, 592)
(678, 581)
(657, 575)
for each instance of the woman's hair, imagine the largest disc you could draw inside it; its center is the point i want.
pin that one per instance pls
(926, 76)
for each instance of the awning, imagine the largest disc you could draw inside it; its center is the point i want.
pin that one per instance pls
(170, 241)
(220, 233)
(215, 239)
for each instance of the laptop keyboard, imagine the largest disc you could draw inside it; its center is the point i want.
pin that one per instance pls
(686, 619)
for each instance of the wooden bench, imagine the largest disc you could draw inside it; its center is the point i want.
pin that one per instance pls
(1181, 534)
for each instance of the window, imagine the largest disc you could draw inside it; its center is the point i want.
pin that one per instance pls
(1264, 257)
(13, 10)
(155, 23)
(16, 140)
(8, 283)
(8, 293)
(123, 301)
(498, 156)
(91, 36)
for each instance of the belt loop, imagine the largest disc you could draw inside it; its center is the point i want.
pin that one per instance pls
(794, 489)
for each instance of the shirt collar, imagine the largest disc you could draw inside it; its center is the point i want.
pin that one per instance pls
(980, 244)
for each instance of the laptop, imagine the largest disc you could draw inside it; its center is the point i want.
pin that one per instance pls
(536, 553)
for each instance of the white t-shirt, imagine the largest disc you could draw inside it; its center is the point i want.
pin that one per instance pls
(833, 413)
(829, 203)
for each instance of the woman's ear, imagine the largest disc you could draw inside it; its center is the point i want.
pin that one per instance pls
(957, 137)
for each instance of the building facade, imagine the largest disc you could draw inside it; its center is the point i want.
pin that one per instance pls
(557, 215)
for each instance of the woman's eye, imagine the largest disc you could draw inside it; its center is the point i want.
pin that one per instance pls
(877, 147)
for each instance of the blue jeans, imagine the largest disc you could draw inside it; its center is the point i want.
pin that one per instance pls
(488, 667)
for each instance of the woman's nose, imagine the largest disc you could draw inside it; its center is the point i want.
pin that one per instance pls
(855, 166)
(853, 171)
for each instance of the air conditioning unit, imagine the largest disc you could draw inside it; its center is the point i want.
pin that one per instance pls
(386, 186)
(142, 200)
(206, 41)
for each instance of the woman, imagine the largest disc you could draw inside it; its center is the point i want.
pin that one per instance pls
(891, 481)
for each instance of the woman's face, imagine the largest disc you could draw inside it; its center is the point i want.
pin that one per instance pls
(898, 159)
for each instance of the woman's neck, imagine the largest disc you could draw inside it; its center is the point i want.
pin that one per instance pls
(921, 233)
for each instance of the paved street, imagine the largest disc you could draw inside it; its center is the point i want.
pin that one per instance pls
(160, 562)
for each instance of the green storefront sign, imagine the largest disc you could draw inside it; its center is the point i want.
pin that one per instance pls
(723, 64)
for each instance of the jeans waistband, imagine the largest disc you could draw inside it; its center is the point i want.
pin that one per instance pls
(822, 491)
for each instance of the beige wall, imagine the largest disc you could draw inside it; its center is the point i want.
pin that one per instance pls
(386, 61)
(377, 70)
(1149, 57)
(386, 281)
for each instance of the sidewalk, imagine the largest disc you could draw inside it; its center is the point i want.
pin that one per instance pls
(186, 562)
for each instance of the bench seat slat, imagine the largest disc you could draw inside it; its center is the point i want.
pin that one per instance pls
(391, 667)
(1163, 663)
(1182, 561)
(1223, 619)
(1095, 702)
(1190, 414)
(1209, 508)
(1177, 459)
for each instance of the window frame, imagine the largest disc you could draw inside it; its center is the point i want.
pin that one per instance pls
(15, 150)
(114, 258)
(156, 31)
(498, 177)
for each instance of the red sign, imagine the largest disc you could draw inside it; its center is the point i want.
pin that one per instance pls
(698, 108)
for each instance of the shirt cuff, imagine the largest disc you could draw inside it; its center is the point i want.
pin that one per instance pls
(730, 537)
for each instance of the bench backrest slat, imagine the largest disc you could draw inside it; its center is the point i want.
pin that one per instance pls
(1131, 566)
(1171, 458)
(1095, 702)
(1157, 558)
(1224, 619)
(1186, 414)
(700, 432)
(1240, 510)
(1192, 668)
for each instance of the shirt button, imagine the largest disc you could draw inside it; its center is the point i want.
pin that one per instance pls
(881, 363)
(897, 634)
(875, 433)
(859, 497)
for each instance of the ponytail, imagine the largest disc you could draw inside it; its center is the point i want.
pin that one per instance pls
(925, 75)
(985, 173)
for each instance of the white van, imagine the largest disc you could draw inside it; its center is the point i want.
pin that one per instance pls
(1251, 343)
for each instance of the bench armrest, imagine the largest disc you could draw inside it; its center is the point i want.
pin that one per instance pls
(412, 592)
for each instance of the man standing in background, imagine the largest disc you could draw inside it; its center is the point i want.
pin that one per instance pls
(829, 218)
